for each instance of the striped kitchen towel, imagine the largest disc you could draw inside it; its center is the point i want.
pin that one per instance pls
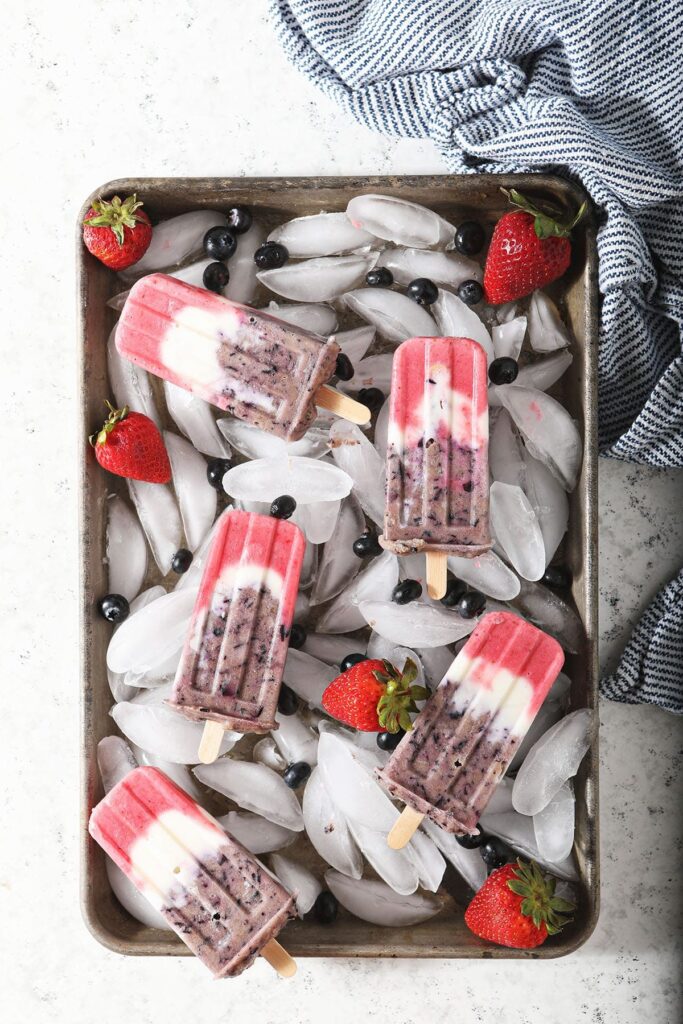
(589, 89)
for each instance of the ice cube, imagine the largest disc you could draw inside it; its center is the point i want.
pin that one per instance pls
(500, 801)
(175, 241)
(259, 444)
(415, 625)
(243, 270)
(371, 372)
(297, 880)
(508, 337)
(255, 788)
(256, 833)
(357, 457)
(399, 221)
(265, 752)
(316, 521)
(378, 580)
(309, 316)
(549, 501)
(178, 773)
(322, 234)
(540, 375)
(356, 342)
(159, 517)
(549, 612)
(137, 905)
(550, 432)
(196, 497)
(194, 418)
(338, 564)
(467, 863)
(395, 316)
(447, 269)
(192, 577)
(506, 452)
(126, 549)
(327, 829)
(546, 330)
(332, 649)
(551, 711)
(506, 312)
(517, 530)
(518, 831)
(456, 320)
(295, 740)
(427, 861)
(486, 573)
(164, 732)
(317, 280)
(554, 825)
(153, 634)
(308, 677)
(115, 760)
(192, 274)
(308, 481)
(382, 430)
(395, 867)
(373, 901)
(352, 785)
(302, 604)
(129, 383)
(435, 663)
(552, 760)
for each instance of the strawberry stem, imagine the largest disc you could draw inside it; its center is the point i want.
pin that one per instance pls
(547, 223)
(399, 699)
(115, 214)
(539, 901)
(113, 419)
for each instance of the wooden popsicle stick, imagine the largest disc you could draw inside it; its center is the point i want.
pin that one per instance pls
(210, 743)
(327, 398)
(278, 958)
(436, 574)
(404, 829)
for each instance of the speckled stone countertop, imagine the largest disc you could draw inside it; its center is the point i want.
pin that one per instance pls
(198, 88)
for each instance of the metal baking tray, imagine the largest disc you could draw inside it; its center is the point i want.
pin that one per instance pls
(275, 200)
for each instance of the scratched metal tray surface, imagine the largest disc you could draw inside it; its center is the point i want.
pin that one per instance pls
(275, 200)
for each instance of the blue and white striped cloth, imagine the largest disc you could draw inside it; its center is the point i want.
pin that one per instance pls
(592, 90)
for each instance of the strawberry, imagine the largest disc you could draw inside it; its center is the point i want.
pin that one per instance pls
(117, 233)
(129, 444)
(529, 249)
(517, 907)
(374, 697)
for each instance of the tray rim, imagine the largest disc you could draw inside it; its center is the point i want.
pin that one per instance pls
(589, 402)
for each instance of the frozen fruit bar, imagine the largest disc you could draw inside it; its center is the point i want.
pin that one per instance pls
(231, 667)
(221, 902)
(254, 366)
(437, 496)
(464, 738)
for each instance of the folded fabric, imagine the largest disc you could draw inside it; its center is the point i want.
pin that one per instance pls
(587, 89)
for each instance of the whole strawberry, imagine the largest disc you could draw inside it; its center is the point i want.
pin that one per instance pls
(517, 907)
(529, 249)
(373, 696)
(129, 444)
(117, 233)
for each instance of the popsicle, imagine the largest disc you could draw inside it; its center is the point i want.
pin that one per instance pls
(465, 737)
(437, 454)
(217, 897)
(256, 367)
(231, 667)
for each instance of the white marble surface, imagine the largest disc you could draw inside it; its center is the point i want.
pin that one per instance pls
(196, 88)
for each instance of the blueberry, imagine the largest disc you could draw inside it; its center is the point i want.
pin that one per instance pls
(455, 590)
(113, 607)
(423, 291)
(495, 852)
(350, 660)
(344, 368)
(503, 370)
(406, 591)
(239, 219)
(471, 603)
(215, 277)
(372, 397)
(326, 907)
(471, 292)
(472, 842)
(296, 774)
(287, 703)
(270, 255)
(283, 507)
(379, 277)
(182, 560)
(470, 237)
(219, 243)
(366, 545)
(389, 740)
(216, 470)
(297, 636)
(557, 576)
